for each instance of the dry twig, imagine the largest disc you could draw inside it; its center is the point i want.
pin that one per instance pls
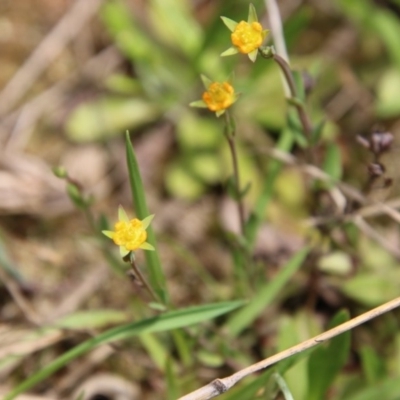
(219, 386)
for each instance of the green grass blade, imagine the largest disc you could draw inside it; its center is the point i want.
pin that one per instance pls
(156, 349)
(163, 322)
(184, 347)
(156, 275)
(283, 386)
(265, 295)
(172, 381)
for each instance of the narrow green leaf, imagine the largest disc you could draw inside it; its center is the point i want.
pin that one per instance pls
(283, 387)
(372, 364)
(326, 361)
(75, 195)
(183, 347)
(156, 275)
(164, 322)
(90, 319)
(155, 348)
(264, 297)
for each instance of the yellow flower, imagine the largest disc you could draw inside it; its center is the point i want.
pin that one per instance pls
(246, 37)
(218, 96)
(130, 235)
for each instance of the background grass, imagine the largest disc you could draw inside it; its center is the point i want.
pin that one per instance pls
(136, 66)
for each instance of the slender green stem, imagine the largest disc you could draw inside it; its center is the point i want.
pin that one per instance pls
(301, 111)
(230, 133)
(143, 280)
(305, 121)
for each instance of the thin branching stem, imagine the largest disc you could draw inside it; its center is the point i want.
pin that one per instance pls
(137, 273)
(305, 121)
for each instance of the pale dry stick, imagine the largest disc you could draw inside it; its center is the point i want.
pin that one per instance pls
(95, 358)
(89, 284)
(315, 172)
(4, 390)
(371, 210)
(219, 386)
(32, 344)
(376, 209)
(26, 308)
(275, 22)
(390, 211)
(373, 234)
(51, 46)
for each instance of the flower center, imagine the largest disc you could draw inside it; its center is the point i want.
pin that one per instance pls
(130, 234)
(219, 96)
(247, 37)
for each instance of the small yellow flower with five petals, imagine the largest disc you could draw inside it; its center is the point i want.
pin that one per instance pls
(130, 235)
(246, 37)
(218, 96)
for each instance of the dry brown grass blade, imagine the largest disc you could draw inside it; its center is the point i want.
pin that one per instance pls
(51, 46)
(219, 386)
